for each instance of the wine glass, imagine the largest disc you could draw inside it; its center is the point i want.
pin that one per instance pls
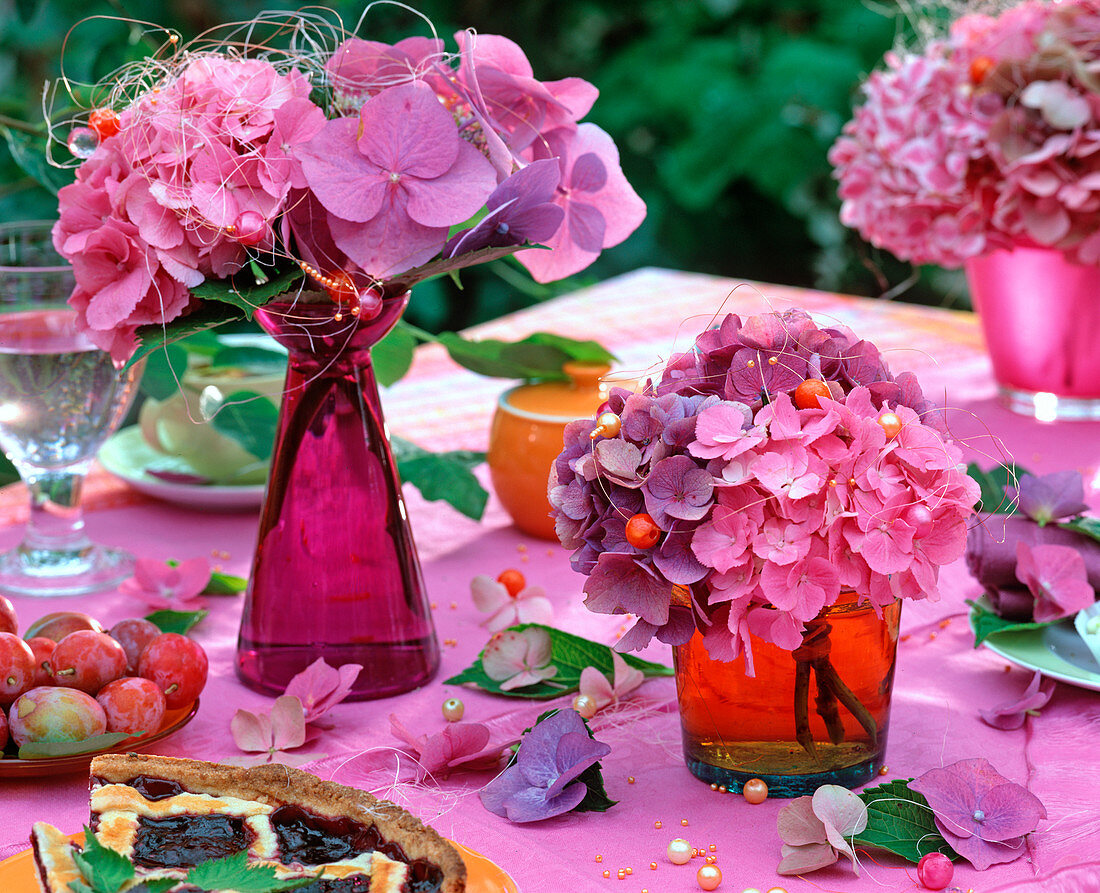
(60, 398)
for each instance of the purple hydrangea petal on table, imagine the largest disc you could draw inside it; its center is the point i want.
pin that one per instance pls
(981, 814)
(991, 548)
(1056, 576)
(320, 687)
(520, 211)
(1011, 715)
(1052, 497)
(543, 780)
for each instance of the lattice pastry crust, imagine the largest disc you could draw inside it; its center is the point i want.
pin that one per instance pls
(248, 797)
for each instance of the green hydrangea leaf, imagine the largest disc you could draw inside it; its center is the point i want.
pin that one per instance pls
(986, 623)
(251, 420)
(446, 477)
(901, 821)
(570, 654)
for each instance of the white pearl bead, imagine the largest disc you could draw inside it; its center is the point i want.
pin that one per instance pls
(679, 851)
(453, 709)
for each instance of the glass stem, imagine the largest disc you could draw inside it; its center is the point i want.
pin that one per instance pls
(56, 521)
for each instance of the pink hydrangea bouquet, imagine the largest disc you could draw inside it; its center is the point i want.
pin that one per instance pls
(987, 139)
(772, 467)
(357, 169)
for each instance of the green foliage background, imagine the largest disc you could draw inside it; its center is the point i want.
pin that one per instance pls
(723, 111)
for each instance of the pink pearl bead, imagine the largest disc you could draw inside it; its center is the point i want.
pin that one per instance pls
(935, 871)
(370, 303)
(251, 228)
(920, 516)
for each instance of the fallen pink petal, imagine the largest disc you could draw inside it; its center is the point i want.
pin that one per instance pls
(1013, 714)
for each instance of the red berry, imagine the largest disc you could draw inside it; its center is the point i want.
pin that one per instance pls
(369, 303)
(105, 122)
(9, 623)
(87, 660)
(16, 667)
(43, 649)
(178, 665)
(935, 871)
(3, 730)
(132, 705)
(642, 532)
(513, 581)
(133, 634)
(979, 68)
(891, 424)
(807, 394)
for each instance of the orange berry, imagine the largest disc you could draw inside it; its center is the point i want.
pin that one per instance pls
(642, 532)
(979, 68)
(891, 424)
(806, 394)
(104, 122)
(513, 581)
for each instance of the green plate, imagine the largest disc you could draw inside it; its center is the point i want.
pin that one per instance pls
(126, 455)
(1056, 651)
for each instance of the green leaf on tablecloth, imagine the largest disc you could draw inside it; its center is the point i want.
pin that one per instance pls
(393, 355)
(41, 750)
(224, 584)
(175, 621)
(1089, 527)
(235, 873)
(578, 351)
(539, 356)
(251, 420)
(986, 623)
(163, 371)
(570, 654)
(104, 870)
(901, 821)
(993, 483)
(442, 476)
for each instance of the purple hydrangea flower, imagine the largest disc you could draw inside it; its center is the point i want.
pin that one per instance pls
(543, 780)
(1052, 497)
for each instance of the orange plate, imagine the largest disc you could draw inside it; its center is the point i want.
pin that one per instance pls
(174, 720)
(17, 873)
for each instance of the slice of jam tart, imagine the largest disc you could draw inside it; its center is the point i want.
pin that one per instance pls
(167, 815)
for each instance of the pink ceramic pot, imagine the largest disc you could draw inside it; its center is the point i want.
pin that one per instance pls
(1041, 318)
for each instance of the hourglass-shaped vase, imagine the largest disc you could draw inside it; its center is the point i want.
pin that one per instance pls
(335, 574)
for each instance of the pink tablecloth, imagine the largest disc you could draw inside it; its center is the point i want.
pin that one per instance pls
(941, 680)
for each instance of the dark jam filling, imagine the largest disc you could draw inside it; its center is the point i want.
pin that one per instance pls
(359, 883)
(186, 840)
(152, 788)
(311, 839)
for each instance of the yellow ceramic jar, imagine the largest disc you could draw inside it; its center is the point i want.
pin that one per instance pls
(527, 435)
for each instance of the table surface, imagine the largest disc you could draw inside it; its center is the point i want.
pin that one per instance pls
(941, 679)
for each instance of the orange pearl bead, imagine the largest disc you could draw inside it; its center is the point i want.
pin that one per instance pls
(891, 424)
(709, 877)
(755, 791)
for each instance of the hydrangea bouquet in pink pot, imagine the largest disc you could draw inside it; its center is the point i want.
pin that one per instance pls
(981, 150)
(764, 507)
(311, 188)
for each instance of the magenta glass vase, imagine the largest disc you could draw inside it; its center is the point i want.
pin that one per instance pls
(1041, 318)
(335, 574)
